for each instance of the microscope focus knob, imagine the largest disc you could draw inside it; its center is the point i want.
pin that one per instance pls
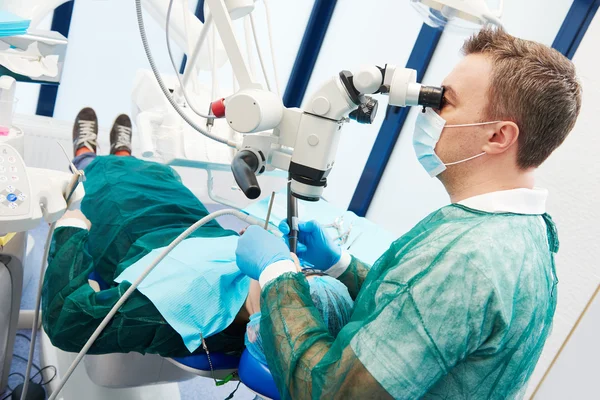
(366, 112)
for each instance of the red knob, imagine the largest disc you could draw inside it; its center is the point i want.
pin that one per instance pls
(218, 108)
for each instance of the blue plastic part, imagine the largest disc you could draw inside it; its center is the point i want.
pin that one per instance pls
(200, 361)
(389, 132)
(61, 23)
(308, 52)
(93, 276)
(575, 25)
(257, 376)
(12, 25)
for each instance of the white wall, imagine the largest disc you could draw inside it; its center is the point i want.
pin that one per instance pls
(571, 174)
(406, 194)
(361, 35)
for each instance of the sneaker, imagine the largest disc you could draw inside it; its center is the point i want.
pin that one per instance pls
(85, 130)
(120, 135)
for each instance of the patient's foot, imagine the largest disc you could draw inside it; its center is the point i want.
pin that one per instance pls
(120, 136)
(85, 132)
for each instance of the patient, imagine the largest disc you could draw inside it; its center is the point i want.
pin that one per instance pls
(131, 208)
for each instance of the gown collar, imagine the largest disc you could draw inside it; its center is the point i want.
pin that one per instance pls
(517, 201)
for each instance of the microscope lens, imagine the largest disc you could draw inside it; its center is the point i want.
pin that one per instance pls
(431, 96)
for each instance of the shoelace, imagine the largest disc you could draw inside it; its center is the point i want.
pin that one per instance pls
(123, 137)
(87, 135)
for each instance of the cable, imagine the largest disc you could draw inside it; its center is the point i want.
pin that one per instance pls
(140, 17)
(18, 357)
(269, 29)
(233, 393)
(133, 287)
(200, 40)
(14, 373)
(23, 336)
(260, 57)
(36, 314)
(42, 376)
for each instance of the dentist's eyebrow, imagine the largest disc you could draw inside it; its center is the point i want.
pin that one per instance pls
(450, 94)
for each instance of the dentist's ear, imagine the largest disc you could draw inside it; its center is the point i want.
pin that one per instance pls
(501, 137)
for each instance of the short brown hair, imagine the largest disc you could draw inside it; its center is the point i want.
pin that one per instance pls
(532, 85)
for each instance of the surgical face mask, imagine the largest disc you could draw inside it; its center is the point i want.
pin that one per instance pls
(428, 130)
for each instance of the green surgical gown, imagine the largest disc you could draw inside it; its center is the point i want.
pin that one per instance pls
(134, 206)
(458, 308)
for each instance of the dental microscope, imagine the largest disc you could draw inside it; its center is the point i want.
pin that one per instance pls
(304, 142)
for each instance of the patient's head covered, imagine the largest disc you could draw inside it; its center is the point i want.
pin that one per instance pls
(331, 299)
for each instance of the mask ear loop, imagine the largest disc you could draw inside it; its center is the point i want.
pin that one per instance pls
(473, 124)
(466, 125)
(465, 160)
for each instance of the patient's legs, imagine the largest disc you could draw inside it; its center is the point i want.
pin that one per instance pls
(85, 137)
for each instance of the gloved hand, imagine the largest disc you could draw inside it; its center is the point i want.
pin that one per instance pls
(257, 249)
(314, 245)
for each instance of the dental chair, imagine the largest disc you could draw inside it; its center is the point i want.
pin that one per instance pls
(132, 370)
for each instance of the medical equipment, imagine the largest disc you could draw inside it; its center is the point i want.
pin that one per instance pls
(292, 218)
(7, 98)
(34, 55)
(9, 133)
(363, 239)
(303, 142)
(440, 13)
(27, 196)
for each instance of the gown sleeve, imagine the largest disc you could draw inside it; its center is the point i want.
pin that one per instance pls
(408, 330)
(302, 347)
(354, 276)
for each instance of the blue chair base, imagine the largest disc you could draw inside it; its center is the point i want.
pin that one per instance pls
(257, 377)
(199, 362)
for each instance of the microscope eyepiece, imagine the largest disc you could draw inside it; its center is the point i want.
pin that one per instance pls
(431, 96)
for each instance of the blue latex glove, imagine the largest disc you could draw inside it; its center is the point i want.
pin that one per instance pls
(257, 249)
(314, 245)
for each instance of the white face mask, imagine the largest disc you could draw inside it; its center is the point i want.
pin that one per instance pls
(428, 129)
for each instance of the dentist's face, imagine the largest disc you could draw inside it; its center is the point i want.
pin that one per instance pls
(465, 101)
